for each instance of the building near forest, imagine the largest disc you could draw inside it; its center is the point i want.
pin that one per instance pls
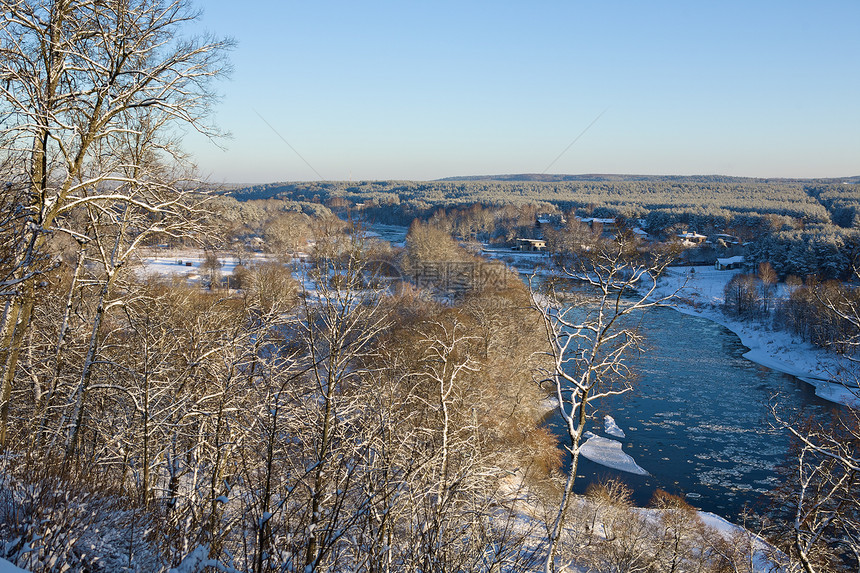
(726, 239)
(530, 245)
(604, 225)
(729, 263)
(694, 238)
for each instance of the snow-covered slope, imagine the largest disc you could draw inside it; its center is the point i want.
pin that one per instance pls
(6, 567)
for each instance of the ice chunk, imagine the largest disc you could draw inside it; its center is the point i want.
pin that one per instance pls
(608, 453)
(611, 427)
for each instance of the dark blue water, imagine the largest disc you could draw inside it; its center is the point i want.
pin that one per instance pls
(699, 417)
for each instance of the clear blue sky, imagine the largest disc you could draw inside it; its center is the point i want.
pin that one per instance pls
(424, 90)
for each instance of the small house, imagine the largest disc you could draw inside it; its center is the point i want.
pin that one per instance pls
(691, 237)
(599, 225)
(729, 263)
(530, 245)
(255, 243)
(726, 239)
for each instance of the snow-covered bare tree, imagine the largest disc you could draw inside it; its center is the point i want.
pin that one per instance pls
(590, 334)
(445, 497)
(822, 492)
(340, 321)
(90, 93)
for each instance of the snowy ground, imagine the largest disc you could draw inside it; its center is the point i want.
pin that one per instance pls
(394, 234)
(765, 556)
(175, 263)
(700, 293)
(187, 262)
(530, 514)
(180, 262)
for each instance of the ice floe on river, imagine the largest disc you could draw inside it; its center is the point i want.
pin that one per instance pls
(611, 428)
(608, 453)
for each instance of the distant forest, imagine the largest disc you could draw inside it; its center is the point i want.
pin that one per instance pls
(802, 227)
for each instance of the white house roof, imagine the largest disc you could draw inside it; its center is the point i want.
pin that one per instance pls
(532, 240)
(731, 260)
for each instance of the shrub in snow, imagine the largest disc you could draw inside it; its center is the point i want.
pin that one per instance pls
(610, 534)
(46, 526)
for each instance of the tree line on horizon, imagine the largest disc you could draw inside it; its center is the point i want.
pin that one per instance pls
(801, 228)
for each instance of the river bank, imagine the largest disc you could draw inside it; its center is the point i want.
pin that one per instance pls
(701, 293)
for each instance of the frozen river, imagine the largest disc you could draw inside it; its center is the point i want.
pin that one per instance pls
(698, 419)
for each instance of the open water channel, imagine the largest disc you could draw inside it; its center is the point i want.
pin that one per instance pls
(699, 417)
